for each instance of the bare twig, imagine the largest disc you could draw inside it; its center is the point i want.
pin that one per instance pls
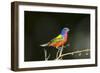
(61, 50)
(48, 57)
(57, 53)
(86, 50)
(45, 55)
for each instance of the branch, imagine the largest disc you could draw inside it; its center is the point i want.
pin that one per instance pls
(86, 50)
(57, 54)
(61, 50)
(45, 55)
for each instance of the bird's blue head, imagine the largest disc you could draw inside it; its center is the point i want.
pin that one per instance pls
(65, 30)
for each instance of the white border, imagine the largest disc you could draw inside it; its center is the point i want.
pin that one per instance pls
(23, 64)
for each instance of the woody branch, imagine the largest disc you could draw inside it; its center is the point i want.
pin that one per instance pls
(72, 53)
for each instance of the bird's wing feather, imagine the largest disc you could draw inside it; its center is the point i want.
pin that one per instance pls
(57, 39)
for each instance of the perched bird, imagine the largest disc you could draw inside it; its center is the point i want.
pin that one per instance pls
(60, 40)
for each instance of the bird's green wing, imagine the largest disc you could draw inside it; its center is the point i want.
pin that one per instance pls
(57, 39)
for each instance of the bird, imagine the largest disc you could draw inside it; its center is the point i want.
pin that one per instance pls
(60, 40)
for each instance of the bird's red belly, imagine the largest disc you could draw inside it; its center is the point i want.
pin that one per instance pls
(58, 44)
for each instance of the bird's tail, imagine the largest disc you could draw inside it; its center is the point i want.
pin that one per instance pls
(43, 45)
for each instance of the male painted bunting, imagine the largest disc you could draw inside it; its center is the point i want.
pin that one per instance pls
(60, 40)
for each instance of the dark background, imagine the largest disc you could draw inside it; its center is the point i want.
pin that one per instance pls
(41, 27)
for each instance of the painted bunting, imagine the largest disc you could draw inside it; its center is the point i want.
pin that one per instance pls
(60, 40)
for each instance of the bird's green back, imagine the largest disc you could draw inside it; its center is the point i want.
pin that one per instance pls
(57, 39)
